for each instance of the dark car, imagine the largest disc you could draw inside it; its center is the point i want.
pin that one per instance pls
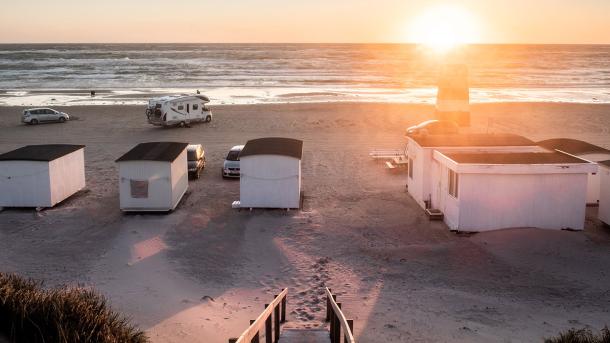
(433, 127)
(196, 159)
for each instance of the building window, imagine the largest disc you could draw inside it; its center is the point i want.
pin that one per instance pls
(139, 189)
(195, 107)
(180, 107)
(410, 167)
(453, 183)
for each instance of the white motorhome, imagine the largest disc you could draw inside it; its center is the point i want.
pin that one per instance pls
(179, 110)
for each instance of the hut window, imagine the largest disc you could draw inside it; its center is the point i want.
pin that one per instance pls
(453, 183)
(139, 189)
(410, 167)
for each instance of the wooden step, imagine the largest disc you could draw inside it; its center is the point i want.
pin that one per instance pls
(304, 336)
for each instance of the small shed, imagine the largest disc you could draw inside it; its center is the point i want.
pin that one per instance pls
(604, 196)
(587, 151)
(41, 175)
(153, 176)
(271, 173)
(489, 191)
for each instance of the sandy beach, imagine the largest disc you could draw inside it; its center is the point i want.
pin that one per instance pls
(201, 272)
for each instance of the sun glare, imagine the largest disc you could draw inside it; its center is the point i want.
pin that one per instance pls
(443, 28)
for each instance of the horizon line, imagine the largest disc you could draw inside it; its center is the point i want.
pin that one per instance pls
(311, 43)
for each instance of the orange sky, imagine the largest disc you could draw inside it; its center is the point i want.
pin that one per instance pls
(497, 21)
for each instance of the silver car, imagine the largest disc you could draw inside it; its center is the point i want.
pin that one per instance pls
(35, 116)
(230, 167)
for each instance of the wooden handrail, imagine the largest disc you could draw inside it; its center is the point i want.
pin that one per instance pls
(251, 335)
(338, 323)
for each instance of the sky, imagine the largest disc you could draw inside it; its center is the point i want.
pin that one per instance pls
(315, 21)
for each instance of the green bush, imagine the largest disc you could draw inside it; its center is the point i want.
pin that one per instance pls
(581, 336)
(31, 313)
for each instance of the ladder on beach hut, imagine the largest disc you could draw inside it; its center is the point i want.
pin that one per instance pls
(274, 315)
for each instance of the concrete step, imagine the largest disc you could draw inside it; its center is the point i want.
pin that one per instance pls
(304, 336)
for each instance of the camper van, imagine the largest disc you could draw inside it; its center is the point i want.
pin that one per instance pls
(180, 110)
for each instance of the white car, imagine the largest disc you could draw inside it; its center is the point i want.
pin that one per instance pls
(230, 167)
(35, 116)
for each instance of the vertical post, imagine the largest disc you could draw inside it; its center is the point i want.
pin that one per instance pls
(255, 338)
(283, 309)
(350, 323)
(332, 325)
(327, 307)
(337, 338)
(268, 338)
(276, 317)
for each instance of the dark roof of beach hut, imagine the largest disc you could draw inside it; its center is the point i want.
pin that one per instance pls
(43, 152)
(273, 146)
(154, 151)
(472, 139)
(572, 146)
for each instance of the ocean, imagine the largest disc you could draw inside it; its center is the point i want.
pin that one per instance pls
(63, 74)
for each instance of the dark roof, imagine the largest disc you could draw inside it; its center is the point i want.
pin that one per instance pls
(472, 139)
(515, 158)
(44, 152)
(154, 151)
(572, 146)
(605, 163)
(273, 146)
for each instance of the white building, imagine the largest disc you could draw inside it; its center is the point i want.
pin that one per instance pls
(41, 175)
(153, 176)
(604, 198)
(488, 191)
(485, 182)
(585, 151)
(271, 173)
(420, 151)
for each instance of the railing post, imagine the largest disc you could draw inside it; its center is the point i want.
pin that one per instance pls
(337, 338)
(283, 308)
(327, 307)
(255, 338)
(276, 317)
(350, 323)
(268, 338)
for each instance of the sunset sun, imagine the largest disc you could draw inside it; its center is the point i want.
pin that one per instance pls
(443, 27)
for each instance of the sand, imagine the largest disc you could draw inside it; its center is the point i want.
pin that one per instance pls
(200, 273)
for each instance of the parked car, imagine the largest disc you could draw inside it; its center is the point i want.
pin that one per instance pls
(196, 159)
(35, 116)
(433, 127)
(230, 167)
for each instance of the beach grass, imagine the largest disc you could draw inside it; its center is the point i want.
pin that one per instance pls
(581, 336)
(32, 313)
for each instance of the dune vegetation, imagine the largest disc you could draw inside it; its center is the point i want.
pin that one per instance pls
(33, 313)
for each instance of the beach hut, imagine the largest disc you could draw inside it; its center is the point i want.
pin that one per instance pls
(586, 151)
(41, 175)
(271, 173)
(153, 176)
(604, 196)
(420, 149)
(495, 190)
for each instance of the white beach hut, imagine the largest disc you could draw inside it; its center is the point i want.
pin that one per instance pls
(604, 196)
(420, 149)
(271, 173)
(587, 151)
(489, 191)
(41, 175)
(153, 176)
